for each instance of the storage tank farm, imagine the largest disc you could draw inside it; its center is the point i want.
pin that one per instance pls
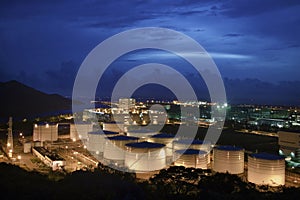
(191, 158)
(266, 169)
(196, 144)
(228, 159)
(166, 139)
(114, 149)
(145, 156)
(96, 142)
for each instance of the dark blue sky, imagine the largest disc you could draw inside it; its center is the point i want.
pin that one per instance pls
(43, 43)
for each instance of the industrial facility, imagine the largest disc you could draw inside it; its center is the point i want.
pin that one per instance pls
(126, 145)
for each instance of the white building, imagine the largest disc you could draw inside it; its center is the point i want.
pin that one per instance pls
(45, 132)
(289, 144)
(126, 103)
(52, 160)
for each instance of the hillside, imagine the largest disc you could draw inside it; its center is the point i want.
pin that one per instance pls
(19, 100)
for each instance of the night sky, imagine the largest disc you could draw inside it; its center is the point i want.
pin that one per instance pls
(255, 43)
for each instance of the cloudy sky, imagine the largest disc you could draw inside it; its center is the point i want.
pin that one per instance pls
(254, 43)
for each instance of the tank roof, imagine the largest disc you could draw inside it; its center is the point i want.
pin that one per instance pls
(122, 137)
(141, 131)
(191, 141)
(82, 123)
(45, 123)
(103, 132)
(145, 145)
(113, 122)
(190, 151)
(266, 156)
(163, 135)
(229, 148)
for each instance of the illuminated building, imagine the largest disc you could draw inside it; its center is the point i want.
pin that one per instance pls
(50, 159)
(289, 144)
(126, 103)
(45, 132)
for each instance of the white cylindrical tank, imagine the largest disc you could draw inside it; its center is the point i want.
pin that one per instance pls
(191, 158)
(166, 139)
(145, 156)
(266, 169)
(114, 149)
(228, 159)
(192, 144)
(96, 140)
(141, 133)
(113, 126)
(79, 131)
(27, 147)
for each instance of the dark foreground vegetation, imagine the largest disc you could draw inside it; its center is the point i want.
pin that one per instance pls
(106, 183)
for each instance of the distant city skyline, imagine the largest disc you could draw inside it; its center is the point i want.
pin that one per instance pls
(254, 44)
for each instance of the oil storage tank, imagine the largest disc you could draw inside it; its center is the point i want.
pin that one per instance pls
(145, 156)
(113, 126)
(96, 141)
(266, 169)
(166, 139)
(192, 144)
(228, 159)
(79, 131)
(141, 133)
(191, 158)
(114, 149)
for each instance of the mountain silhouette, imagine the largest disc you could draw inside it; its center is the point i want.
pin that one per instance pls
(19, 100)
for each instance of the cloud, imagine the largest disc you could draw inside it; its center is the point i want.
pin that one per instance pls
(233, 35)
(194, 12)
(242, 8)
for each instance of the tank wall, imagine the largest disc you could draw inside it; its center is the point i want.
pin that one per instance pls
(196, 161)
(266, 172)
(145, 162)
(228, 161)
